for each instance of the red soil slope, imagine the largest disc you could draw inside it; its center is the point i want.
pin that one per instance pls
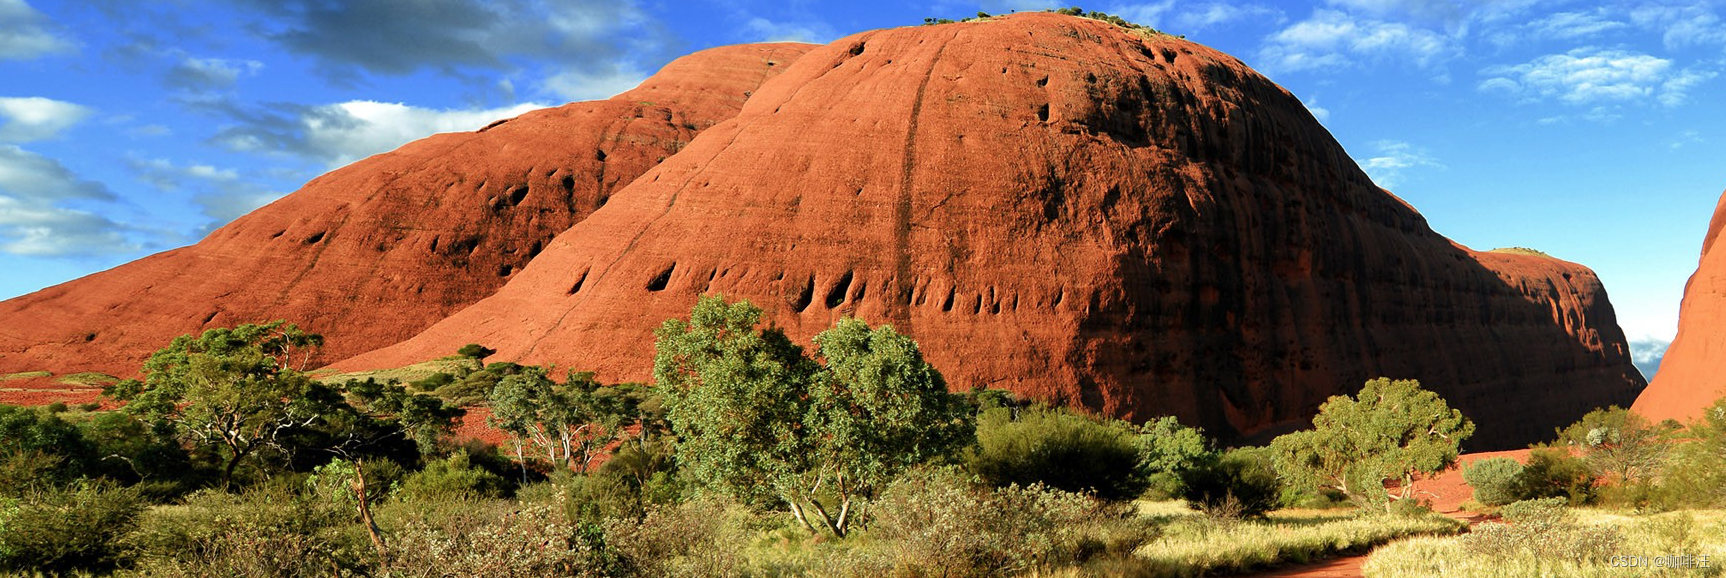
(1693, 374)
(374, 252)
(1056, 206)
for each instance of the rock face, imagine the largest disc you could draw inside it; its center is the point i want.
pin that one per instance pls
(1693, 374)
(374, 252)
(1060, 207)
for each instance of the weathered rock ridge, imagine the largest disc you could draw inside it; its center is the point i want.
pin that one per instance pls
(1693, 374)
(374, 252)
(1060, 207)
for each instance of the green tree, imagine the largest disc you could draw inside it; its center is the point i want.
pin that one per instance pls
(758, 420)
(1167, 449)
(1618, 444)
(236, 390)
(1391, 431)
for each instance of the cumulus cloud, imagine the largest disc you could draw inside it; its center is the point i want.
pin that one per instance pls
(1393, 160)
(35, 118)
(1647, 354)
(1335, 39)
(337, 134)
(1595, 77)
(24, 32)
(34, 219)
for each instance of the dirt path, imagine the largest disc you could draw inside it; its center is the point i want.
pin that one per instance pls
(1447, 493)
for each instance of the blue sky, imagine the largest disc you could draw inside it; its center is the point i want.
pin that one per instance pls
(1595, 132)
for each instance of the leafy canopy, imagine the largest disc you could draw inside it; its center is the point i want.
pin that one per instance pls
(1391, 431)
(238, 390)
(758, 420)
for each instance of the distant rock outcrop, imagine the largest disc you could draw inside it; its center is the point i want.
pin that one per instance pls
(1067, 209)
(374, 252)
(1693, 373)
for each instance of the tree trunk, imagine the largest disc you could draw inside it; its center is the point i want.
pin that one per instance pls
(797, 512)
(364, 506)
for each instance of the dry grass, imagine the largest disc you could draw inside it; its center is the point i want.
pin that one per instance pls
(1694, 533)
(25, 375)
(415, 372)
(88, 379)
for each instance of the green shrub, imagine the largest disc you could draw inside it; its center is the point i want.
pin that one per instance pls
(58, 530)
(1554, 473)
(1057, 448)
(270, 530)
(1167, 450)
(695, 538)
(56, 407)
(1493, 480)
(1240, 484)
(38, 449)
(452, 478)
(939, 523)
(502, 539)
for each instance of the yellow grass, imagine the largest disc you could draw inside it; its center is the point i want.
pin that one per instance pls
(1651, 546)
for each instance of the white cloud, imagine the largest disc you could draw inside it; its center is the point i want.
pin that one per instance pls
(1334, 39)
(1682, 26)
(35, 118)
(32, 219)
(337, 134)
(1686, 138)
(764, 30)
(580, 85)
(23, 32)
(223, 194)
(1595, 77)
(1571, 25)
(198, 74)
(1147, 13)
(29, 176)
(1393, 160)
(1200, 17)
(1318, 112)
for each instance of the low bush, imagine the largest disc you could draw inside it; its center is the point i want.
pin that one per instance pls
(1167, 450)
(452, 478)
(1543, 528)
(1493, 480)
(267, 531)
(60, 530)
(939, 523)
(503, 539)
(1240, 484)
(1059, 449)
(1554, 473)
(695, 538)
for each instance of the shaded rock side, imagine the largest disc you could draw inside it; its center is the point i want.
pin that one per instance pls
(376, 251)
(1693, 374)
(1060, 207)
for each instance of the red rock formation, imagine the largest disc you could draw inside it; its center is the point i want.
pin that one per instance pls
(1057, 206)
(1692, 376)
(374, 252)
